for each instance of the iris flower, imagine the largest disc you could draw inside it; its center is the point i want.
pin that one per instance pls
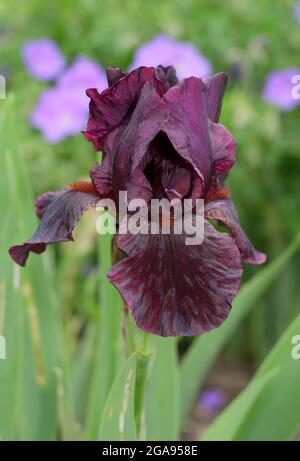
(160, 138)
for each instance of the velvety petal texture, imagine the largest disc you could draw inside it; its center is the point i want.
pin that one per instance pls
(174, 289)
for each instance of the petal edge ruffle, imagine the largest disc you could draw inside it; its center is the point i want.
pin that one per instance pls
(58, 220)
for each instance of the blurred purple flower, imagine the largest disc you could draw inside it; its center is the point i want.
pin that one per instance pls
(212, 399)
(43, 59)
(58, 114)
(297, 11)
(278, 88)
(83, 73)
(166, 51)
(62, 111)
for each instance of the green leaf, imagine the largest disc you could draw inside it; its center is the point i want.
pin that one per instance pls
(29, 319)
(109, 355)
(269, 408)
(118, 422)
(205, 348)
(162, 396)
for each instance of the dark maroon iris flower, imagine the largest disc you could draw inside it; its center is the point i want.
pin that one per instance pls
(160, 138)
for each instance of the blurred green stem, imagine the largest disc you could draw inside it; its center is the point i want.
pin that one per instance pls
(109, 354)
(144, 354)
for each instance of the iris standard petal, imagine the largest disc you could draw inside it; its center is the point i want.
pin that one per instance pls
(187, 126)
(108, 109)
(44, 200)
(167, 75)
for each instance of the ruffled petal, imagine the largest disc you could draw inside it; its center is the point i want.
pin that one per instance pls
(225, 213)
(108, 109)
(187, 126)
(44, 200)
(101, 173)
(101, 176)
(114, 74)
(223, 148)
(139, 186)
(19, 253)
(174, 289)
(59, 214)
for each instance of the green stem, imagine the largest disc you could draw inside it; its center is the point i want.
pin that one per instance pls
(144, 354)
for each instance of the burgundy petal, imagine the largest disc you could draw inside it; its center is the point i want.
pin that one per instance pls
(216, 87)
(101, 173)
(19, 253)
(187, 126)
(223, 148)
(146, 121)
(216, 190)
(108, 109)
(114, 74)
(44, 200)
(225, 213)
(58, 220)
(101, 176)
(139, 186)
(174, 289)
(176, 179)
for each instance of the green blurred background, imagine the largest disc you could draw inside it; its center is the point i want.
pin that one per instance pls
(255, 36)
